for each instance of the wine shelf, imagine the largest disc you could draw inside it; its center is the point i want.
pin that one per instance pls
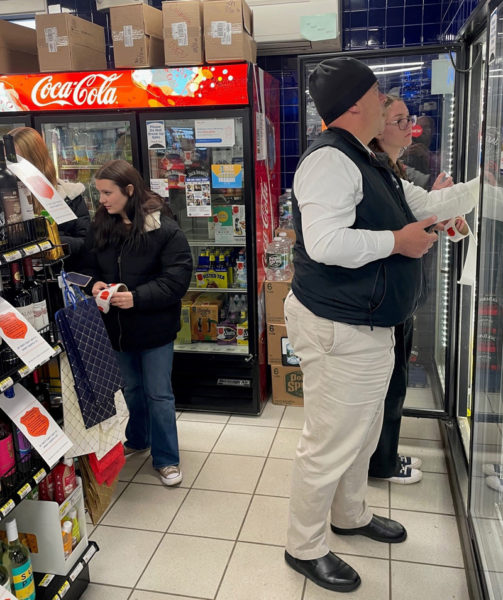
(71, 586)
(23, 488)
(21, 372)
(23, 251)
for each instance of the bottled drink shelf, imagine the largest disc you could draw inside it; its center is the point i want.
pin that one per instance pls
(23, 488)
(233, 290)
(212, 347)
(10, 378)
(71, 586)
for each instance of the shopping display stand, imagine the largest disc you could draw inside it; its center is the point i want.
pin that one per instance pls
(48, 586)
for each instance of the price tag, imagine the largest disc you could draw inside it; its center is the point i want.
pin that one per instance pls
(89, 554)
(46, 580)
(57, 349)
(13, 255)
(6, 383)
(26, 489)
(63, 509)
(33, 249)
(56, 597)
(45, 245)
(75, 573)
(63, 589)
(24, 371)
(7, 507)
(39, 475)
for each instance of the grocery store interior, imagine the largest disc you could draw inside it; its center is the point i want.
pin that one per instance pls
(216, 128)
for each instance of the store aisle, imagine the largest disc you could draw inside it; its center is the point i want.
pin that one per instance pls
(221, 534)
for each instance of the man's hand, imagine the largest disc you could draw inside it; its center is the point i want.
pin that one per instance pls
(413, 241)
(98, 286)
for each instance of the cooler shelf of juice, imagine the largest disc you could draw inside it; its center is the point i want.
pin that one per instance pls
(71, 586)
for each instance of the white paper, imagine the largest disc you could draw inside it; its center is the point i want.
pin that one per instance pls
(36, 424)
(160, 186)
(5, 594)
(24, 339)
(43, 190)
(211, 133)
(156, 134)
(469, 272)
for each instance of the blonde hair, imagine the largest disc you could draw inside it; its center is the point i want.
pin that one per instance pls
(31, 146)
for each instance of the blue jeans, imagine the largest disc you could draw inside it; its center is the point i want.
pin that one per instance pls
(151, 403)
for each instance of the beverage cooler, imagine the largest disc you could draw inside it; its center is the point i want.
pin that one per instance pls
(207, 140)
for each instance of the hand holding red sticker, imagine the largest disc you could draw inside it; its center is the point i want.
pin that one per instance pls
(105, 295)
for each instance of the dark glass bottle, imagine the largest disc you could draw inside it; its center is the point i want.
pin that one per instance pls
(37, 293)
(18, 296)
(39, 390)
(9, 198)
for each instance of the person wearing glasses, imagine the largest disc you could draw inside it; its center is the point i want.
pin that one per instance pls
(421, 162)
(386, 463)
(360, 235)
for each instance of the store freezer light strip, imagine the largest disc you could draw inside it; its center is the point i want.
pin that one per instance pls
(397, 70)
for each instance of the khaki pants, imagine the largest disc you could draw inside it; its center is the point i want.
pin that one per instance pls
(346, 371)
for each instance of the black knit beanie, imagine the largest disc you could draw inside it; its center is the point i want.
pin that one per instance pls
(337, 83)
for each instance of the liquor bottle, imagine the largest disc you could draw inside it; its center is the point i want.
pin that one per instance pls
(25, 197)
(18, 296)
(36, 291)
(39, 389)
(7, 460)
(17, 561)
(9, 197)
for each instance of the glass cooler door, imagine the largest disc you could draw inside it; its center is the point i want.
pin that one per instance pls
(198, 165)
(79, 148)
(486, 477)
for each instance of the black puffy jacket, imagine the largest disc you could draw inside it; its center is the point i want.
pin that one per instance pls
(159, 273)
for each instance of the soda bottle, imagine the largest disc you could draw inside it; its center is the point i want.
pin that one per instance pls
(278, 260)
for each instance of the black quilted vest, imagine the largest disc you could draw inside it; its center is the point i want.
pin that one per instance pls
(381, 293)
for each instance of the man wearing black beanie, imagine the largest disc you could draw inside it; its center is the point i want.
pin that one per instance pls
(357, 275)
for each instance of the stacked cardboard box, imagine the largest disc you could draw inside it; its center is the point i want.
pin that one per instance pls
(18, 49)
(183, 32)
(137, 36)
(285, 370)
(228, 31)
(68, 43)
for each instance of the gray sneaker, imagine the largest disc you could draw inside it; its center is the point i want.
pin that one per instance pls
(171, 475)
(130, 451)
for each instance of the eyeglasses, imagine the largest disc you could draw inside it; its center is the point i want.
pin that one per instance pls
(403, 123)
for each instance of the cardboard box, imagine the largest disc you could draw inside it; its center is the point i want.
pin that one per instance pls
(68, 43)
(184, 336)
(228, 31)
(275, 294)
(182, 23)
(103, 4)
(287, 386)
(41, 520)
(18, 49)
(205, 317)
(279, 349)
(137, 36)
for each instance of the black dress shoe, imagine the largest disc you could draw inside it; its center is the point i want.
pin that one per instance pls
(380, 529)
(328, 572)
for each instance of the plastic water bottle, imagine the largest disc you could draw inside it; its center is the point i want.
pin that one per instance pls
(278, 260)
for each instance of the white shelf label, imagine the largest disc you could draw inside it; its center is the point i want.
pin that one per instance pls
(24, 491)
(39, 476)
(7, 507)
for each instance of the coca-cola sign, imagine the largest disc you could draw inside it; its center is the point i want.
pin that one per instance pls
(95, 89)
(218, 85)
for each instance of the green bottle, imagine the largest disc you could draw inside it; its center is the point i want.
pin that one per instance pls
(16, 559)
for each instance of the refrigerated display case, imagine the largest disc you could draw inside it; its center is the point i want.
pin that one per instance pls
(80, 147)
(209, 140)
(426, 80)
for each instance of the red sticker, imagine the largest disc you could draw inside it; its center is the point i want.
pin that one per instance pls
(35, 422)
(13, 327)
(104, 295)
(451, 231)
(40, 186)
(417, 130)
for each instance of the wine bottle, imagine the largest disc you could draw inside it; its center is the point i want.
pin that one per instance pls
(9, 197)
(39, 390)
(17, 561)
(36, 291)
(25, 197)
(19, 297)
(7, 460)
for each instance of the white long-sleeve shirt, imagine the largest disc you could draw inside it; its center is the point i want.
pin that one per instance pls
(328, 187)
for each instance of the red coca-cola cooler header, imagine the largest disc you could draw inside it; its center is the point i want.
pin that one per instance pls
(218, 85)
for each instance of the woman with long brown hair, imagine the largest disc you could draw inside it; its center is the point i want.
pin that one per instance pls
(134, 241)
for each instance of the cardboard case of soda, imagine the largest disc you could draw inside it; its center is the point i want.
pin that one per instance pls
(287, 385)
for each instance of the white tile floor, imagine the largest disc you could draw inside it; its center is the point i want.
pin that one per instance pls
(220, 535)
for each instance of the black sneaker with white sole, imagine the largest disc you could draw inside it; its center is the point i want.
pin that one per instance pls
(405, 475)
(410, 461)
